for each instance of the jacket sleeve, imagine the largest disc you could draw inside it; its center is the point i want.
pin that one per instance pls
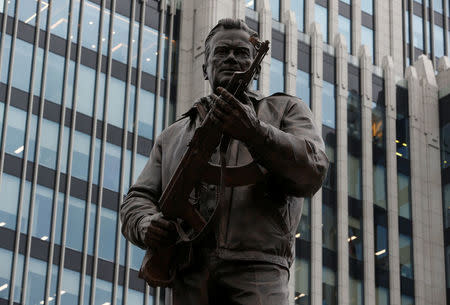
(142, 197)
(295, 153)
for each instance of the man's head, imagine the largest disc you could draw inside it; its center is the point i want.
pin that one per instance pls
(227, 49)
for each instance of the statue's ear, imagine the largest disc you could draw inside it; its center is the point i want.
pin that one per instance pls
(205, 75)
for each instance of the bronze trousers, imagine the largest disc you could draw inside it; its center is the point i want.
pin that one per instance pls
(215, 281)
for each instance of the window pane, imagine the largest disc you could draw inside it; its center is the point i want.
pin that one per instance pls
(112, 167)
(367, 39)
(146, 114)
(303, 87)
(418, 31)
(356, 291)
(49, 143)
(329, 227)
(107, 245)
(42, 212)
(406, 264)
(250, 4)
(328, 105)
(321, 17)
(275, 8)
(37, 271)
(355, 242)
(329, 286)
(382, 296)
(5, 272)
(137, 255)
(302, 279)
(438, 41)
(403, 183)
(346, 30)
(80, 163)
(15, 133)
(276, 76)
(367, 6)
(70, 285)
(103, 292)
(116, 102)
(299, 9)
(74, 238)
(437, 6)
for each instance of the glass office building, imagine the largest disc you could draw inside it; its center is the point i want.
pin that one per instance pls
(86, 85)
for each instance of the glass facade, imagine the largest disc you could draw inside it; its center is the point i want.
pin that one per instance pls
(76, 98)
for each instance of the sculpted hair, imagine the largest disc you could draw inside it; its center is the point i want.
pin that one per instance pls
(227, 24)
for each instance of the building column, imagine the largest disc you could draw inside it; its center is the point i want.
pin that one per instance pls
(367, 175)
(285, 6)
(316, 201)
(333, 28)
(392, 191)
(356, 28)
(291, 52)
(382, 45)
(265, 33)
(417, 168)
(341, 52)
(434, 274)
(396, 35)
(309, 15)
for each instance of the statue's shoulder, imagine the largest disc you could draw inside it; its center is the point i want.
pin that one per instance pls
(283, 100)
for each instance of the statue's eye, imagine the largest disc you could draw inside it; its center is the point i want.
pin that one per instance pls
(220, 51)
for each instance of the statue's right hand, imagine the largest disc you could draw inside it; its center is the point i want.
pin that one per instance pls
(157, 232)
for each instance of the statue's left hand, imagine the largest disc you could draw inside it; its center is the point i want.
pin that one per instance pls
(237, 119)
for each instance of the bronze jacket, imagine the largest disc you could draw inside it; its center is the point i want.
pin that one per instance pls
(261, 218)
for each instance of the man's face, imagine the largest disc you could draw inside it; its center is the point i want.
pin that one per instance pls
(230, 51)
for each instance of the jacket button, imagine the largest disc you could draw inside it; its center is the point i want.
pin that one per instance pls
(212, 187)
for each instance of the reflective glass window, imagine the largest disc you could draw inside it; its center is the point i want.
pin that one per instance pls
(146, 114)
(356, 295)
(406, 262)
(367, 39)
(119, 47)
(275, 8)
(438, 6)
(55, 75)
(428, 31)
(161, 109)
(22, 65)
(367, 6)
(407, 300)
(139, 165)
(438, 41)
(107, 244)
(404, 204)
(9, 194)
(329, 232)
(303, 86)
(6, 49)
(355, 242)
(28, 13)
(48, 143)
(137, 255)
(74, 238)
(321, 17)
(302, 280)
(345, 29)
(116, 102)
(70, 285)
(91, 20)
(15, 132)
(346, 1)
(379, 151)
(42, 212)
(381, 241)
(354, 176)
(103, 292)
(86, 90)
(276, 76)
(406, 14)
(149, 50)
(19, 279)
(80, 162)
(298, 7)
(381, 296)
(304, 227)
(37, 271)
(135, 297)
(329, 288)
(418, 31)
(112, 167)
(6, 257)
(2, 112)
(250, 4)
(328, 105)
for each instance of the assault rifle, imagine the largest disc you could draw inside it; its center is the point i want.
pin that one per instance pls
(158, 268)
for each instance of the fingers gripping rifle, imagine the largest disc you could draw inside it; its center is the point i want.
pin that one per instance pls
(159, 265)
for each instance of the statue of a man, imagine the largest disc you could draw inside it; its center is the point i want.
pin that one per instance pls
(245, 258)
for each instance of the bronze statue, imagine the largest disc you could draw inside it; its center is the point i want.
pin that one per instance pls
(219, 224)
